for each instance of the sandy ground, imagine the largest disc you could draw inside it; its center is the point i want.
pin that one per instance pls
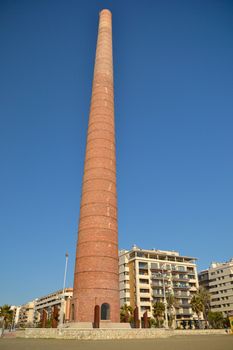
(202, 342)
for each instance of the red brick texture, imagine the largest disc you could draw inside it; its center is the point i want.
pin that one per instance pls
(96, 269)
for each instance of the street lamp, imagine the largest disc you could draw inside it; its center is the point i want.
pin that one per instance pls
(63, 293)
(164, 298)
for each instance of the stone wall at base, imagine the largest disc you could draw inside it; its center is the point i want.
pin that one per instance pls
(20, 333)
(101, 334)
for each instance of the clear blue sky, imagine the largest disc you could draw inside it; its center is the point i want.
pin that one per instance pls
(174, 123)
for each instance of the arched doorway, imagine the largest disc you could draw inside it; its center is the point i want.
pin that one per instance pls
(105, 311)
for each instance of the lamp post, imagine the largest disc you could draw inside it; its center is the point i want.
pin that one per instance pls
(164, 298)
(63, 293)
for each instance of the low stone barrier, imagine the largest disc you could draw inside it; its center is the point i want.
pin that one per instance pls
(101, 334)
(20, 333)
(179, 332)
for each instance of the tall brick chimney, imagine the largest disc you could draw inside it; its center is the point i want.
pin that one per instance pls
(96, 268)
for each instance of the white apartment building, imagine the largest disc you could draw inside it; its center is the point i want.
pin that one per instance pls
(221, 286)
(144, 275)
(26, 314)
(48, 301)
(16, 311)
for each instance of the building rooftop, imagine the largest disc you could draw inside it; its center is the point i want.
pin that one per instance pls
(214, 265)
(58, 292)
(157, 253)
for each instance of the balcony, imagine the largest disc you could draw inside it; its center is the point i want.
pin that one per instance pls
(184, 313)
(193, 289)
(145, 302)
(178, 278)
(158, 268)
(181, 287)
(144, 285)
(158, 276)
(185, 306)
(157, 295)
(174, 268)
(160, 285)
(147, 296)
(217, 302)
(181, 295)
(153, 285)
(143, 272)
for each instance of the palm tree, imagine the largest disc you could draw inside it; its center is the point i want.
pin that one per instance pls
(158, 312)
(205, 298)
(197, 304)
(201, 303)
(126, 313)
(7, 314)
(172, 304)
(216, 319)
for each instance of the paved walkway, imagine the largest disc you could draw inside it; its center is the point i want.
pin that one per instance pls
(203, 342)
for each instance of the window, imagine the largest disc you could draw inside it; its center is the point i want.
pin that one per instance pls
(181, 268)
(145, 308)
(154, 266)
(143, 265)
(144, 281)
(126, 299)
(105, 311)
(145, 299)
